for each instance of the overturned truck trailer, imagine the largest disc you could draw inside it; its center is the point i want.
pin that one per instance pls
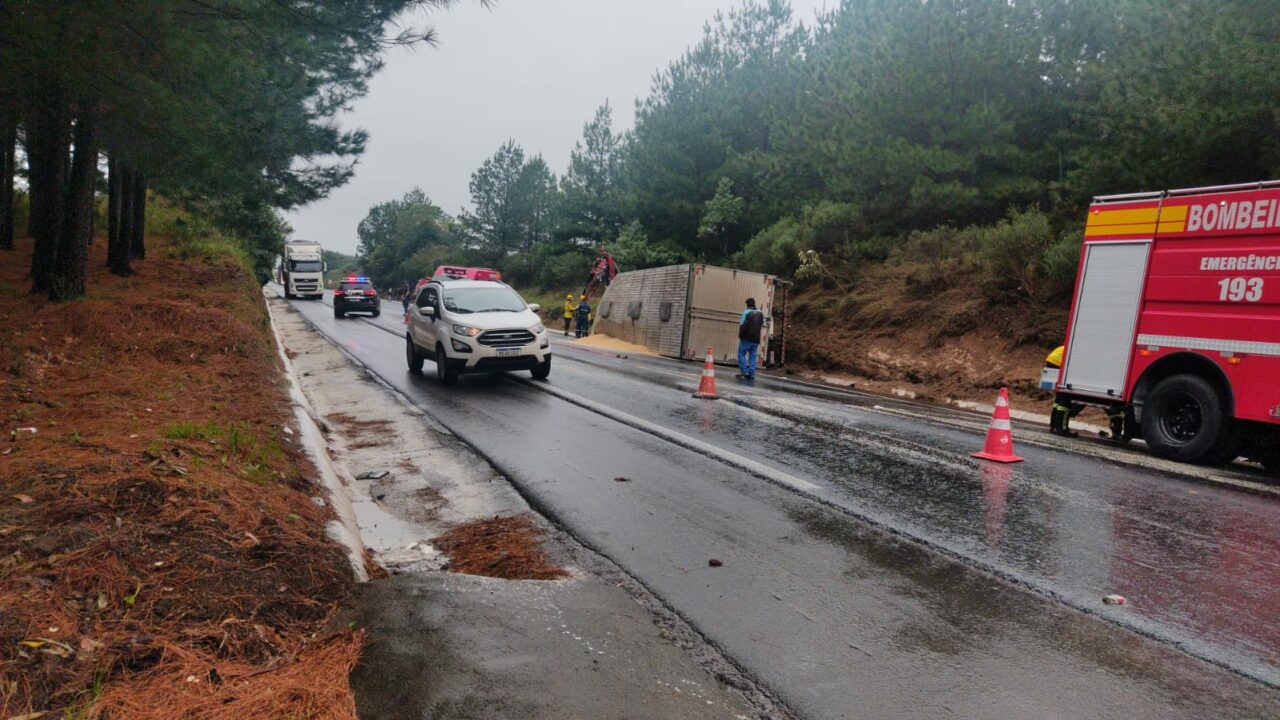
(681, 310)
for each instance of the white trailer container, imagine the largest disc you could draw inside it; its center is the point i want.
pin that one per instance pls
(681, 310)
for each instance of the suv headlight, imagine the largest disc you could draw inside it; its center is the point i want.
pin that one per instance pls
(538, 329)
(466, 331)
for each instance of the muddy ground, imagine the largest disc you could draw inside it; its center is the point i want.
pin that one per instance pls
(952, 343)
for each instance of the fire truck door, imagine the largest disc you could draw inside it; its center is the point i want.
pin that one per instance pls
(1106, 316)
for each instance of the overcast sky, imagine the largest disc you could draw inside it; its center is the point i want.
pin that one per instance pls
(532, 70)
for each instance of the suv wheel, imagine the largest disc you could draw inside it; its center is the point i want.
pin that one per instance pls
(445, 372)
(412, 355)
(1184, 420)
(543, 371)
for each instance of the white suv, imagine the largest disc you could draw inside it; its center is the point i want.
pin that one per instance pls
(475, 326)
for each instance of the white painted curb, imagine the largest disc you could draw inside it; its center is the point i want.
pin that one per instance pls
(343, 527)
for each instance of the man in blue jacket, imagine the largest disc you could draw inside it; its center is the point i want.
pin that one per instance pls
(750, 329)
(583, 315)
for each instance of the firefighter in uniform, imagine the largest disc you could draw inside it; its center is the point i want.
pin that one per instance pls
(1063, 409)
(568, 313)
(583, 314)
(1116, 419)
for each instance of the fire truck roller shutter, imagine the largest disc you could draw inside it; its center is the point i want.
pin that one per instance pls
(1101, 342)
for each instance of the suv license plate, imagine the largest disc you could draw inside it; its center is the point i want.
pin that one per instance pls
(508, 352)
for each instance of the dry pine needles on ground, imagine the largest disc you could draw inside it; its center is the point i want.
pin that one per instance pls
(160, 553)
(501, 547)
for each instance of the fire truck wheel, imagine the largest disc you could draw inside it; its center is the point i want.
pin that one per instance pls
(1184, 421)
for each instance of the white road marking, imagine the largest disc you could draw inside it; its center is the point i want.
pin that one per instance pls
(755, 468)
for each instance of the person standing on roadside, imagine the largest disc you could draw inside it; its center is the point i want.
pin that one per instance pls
(406, 298)
(1063, 409)
(568, 313)
(583, 314)
(750, 328)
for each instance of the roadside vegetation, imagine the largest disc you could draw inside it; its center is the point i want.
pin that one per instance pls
(227, 109)
(889, 155)
(160, 551)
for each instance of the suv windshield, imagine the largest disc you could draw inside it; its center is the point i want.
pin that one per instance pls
(347, 286)
(482, 299)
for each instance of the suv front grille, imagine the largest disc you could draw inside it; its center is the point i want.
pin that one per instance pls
(506, 338)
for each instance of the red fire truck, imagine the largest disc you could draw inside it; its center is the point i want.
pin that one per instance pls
(1176, 320)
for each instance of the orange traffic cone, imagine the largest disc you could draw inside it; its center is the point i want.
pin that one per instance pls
(999, 447)
(707, 388)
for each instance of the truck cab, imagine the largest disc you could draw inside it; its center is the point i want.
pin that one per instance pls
(1176, 320)
(302, 270)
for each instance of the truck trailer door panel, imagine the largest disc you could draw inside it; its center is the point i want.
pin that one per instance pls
(1106, 316)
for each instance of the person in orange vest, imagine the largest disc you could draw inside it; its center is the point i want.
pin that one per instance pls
(568, 313)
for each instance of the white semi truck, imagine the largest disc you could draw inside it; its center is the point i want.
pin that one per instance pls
(302, 269)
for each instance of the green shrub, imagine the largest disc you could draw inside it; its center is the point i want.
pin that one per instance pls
(833, 227)
(775, 249)
(567, 269)
(1011, 253)
(633, 250)
(164, 218)
(936, 245)
(1059, 264)
(519, 269)
(871, 250)
(836, 231)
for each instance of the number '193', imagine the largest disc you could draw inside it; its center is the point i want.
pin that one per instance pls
(1240, 289)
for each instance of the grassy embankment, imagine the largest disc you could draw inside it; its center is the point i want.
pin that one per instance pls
(160, 552)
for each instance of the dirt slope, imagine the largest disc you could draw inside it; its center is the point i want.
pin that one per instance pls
(939, 341)
(161, 555)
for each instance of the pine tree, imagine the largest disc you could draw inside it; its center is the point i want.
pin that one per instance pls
(8, 143)
(67, 279)
(591, 205)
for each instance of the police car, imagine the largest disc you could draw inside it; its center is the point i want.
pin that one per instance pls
(355, 294)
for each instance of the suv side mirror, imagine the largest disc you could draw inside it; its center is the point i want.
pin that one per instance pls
(429, 311)
(535, 307)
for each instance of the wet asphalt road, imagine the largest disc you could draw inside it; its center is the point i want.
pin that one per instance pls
(823, 600)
